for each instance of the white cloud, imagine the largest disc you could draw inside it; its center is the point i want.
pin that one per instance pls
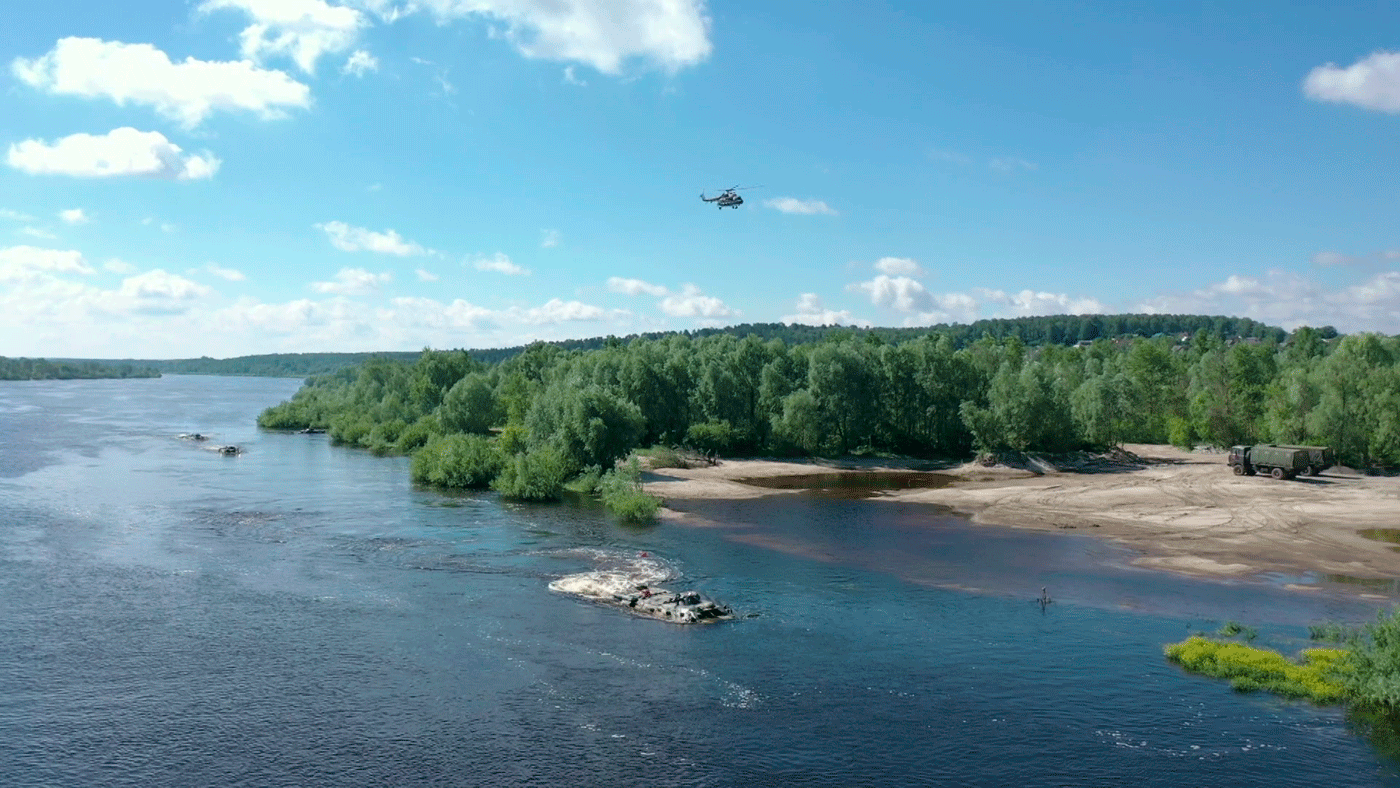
(187, 92)
(899, 266)
(231, 274)
(1331, 258)
(947, 308)
(633, 287)
(1011, 164)
(1371, 83)
(19, 263)
(123, 151)
(572, 79)
(1289, 300)
(499, 263)
(810, 312)
(692, 302)
(302, 30)
(74, 216)
(15, 216)
(550, 239)
(160, 287)
(37, 232)
(425, 275)
(358, 239)
(805, 207)
(558, 311)
(1027, 303)
(119, 267)
(900, 292)
(950, 156)
(353, 281)
(360, 63)
(670, 34)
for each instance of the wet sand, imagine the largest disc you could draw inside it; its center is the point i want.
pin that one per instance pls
(1181, 511)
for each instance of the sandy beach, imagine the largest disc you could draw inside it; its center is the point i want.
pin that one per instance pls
(1181, 511)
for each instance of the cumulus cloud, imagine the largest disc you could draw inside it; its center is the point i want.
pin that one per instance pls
(1028, 303)
(947, 308)
(187, 92)
(302, 30)
(19, 263)
(353, 281)
(15, 216)
(499, 263)
(1370, 83)
(668, 34)
(900, 292)
(899, 266)
(550, 239)
(558, 311)
(231, 274)
(360, 63)
(37, 232)
(74, 216)
(120, 152)
(692, 302)
(159, 287)
(634, 287)
(119, 266)
(810, 312)
(358, 239)
(425, 275)
(1290, 300)
(794, 205)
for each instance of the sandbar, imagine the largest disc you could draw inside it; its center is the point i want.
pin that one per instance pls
(1178, 510)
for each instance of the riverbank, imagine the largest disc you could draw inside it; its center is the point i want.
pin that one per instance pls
(1181, 511)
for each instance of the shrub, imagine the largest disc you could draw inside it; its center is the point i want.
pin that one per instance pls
(533, 476)
(467, 461)
(417, 435)
(663, 457)
(621, 491)
(1319, 677)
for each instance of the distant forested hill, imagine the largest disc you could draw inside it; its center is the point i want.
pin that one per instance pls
(1031, 331)
(43, 369)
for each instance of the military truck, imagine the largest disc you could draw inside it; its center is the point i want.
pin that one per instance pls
(1320, 458)
(1280, 462)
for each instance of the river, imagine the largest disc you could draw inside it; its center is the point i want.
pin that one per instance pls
(301, 615)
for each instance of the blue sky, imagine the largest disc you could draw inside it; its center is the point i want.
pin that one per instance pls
(226, 177)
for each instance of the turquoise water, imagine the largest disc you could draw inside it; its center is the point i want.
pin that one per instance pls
(301, 615)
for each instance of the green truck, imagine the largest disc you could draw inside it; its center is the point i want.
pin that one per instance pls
(1280, 462)
(1320, 458)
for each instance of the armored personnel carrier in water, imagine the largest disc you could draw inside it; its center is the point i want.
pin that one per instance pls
(688, 607)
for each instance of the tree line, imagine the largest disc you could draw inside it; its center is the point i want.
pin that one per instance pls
(42, 369)
(549, 413)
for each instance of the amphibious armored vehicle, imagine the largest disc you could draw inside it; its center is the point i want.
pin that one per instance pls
(688, 607)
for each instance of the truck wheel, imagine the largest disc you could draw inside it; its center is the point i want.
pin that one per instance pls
(1277, 473)
(1313, 470)
(1239, 470)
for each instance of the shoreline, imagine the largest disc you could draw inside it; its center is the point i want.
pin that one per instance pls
(1180, 511)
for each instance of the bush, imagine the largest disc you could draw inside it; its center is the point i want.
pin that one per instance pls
(1319, 677)
(417, 435)
(533, 476)
(1374, 676)
(466, 461)
(1180, 434)
(621, 491)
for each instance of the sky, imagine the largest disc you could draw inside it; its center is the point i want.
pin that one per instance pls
(231, 177)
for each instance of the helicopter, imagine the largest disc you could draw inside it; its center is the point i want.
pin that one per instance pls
(729, 198)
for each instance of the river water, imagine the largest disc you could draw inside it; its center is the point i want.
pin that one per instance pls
(301, 615)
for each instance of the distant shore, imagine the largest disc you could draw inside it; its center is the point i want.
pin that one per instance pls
(1181, 511)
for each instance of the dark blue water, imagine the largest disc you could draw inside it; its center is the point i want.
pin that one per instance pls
(300, 615)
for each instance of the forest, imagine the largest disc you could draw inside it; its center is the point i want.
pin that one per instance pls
(1055, 329)
(528, 423)
(41, 369)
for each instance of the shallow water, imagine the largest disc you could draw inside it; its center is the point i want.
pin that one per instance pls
(301, 615)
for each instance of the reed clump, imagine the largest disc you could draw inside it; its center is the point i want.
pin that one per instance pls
(1320, 676)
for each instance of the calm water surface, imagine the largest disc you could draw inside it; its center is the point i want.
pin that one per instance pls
(301, 615)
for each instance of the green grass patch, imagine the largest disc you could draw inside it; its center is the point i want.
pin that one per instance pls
(1318, 677)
